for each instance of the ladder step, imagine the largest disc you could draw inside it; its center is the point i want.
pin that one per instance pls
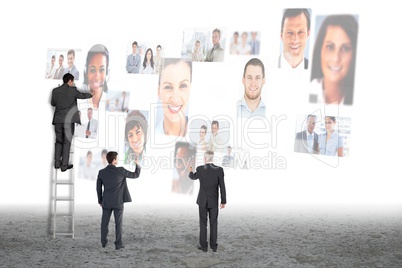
(65, 199)
(64, 234)
(64, 183)
(64, 215)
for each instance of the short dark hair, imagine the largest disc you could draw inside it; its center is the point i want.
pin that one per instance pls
(312, 115)
(67, 77)
(255, 62)
(215, 122)
(205, 128)
(159, 46)
(333, 118)
(104, 152)
(135, 43)
(216, 30)
(110, 156)
(293, 12)
(71, 51)
(54, 57)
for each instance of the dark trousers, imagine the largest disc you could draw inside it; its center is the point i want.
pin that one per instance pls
(213, 224)
(64, 136)
(118, 220)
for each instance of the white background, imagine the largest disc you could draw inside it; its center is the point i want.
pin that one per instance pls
(370, 174)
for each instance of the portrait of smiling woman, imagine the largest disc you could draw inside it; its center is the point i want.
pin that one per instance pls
(174, 93)
(135, 136)
(96, 71)
(334, 60)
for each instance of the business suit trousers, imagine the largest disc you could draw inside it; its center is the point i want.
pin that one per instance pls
(213, 224)
(64, 137)
(118, 220)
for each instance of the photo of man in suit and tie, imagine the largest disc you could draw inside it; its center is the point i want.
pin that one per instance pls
(113, 196)
(133, 63)
(71, 65)
(91, 127)
(211, 182)
(217, 52)
(60, 71)
(306, 141)
(295, 33)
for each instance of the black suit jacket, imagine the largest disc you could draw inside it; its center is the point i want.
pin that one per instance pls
(64, 98)
(115, 190)
(211, 179)
(301, 143)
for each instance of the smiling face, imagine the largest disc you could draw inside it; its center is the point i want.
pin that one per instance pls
(253, 82)
(182, 160)
(61, 59)
(88, 159)
(134, 47)
(197, 45)
(214, 129)
(202, 133)
(294, 36)
(70, 60)
(329, 124)
(336, 54)
(97, 72)
(89, 114)
(149, 55)
(311, 121)
(135, 137)
(174, 90)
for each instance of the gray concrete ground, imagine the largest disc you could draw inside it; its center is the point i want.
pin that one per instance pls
(249, 236)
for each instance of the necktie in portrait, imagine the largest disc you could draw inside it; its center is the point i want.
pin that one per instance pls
(310, 143)
(89, 122)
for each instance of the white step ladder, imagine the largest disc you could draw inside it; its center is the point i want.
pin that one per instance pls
(63, 214)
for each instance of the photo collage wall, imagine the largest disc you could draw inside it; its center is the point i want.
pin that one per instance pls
(224, 89)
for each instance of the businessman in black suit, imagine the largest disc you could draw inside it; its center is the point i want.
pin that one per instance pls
(307, 141)
(64, 99)
(115, 193)
(211, 180)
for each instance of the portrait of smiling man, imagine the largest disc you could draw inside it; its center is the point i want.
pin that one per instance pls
(253, 80)
(295, 33)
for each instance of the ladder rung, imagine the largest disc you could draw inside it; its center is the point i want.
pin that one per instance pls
(64, 199)
(63, 233)
(64, 215)
(64, 183)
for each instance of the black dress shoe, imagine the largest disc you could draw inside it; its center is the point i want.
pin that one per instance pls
(56, 166)
(119, 247)
(214, 249)
(203, 249)
(65, 168)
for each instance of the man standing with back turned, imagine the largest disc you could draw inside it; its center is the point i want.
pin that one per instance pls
(115, 194)
(66, 114)
(211, 178)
